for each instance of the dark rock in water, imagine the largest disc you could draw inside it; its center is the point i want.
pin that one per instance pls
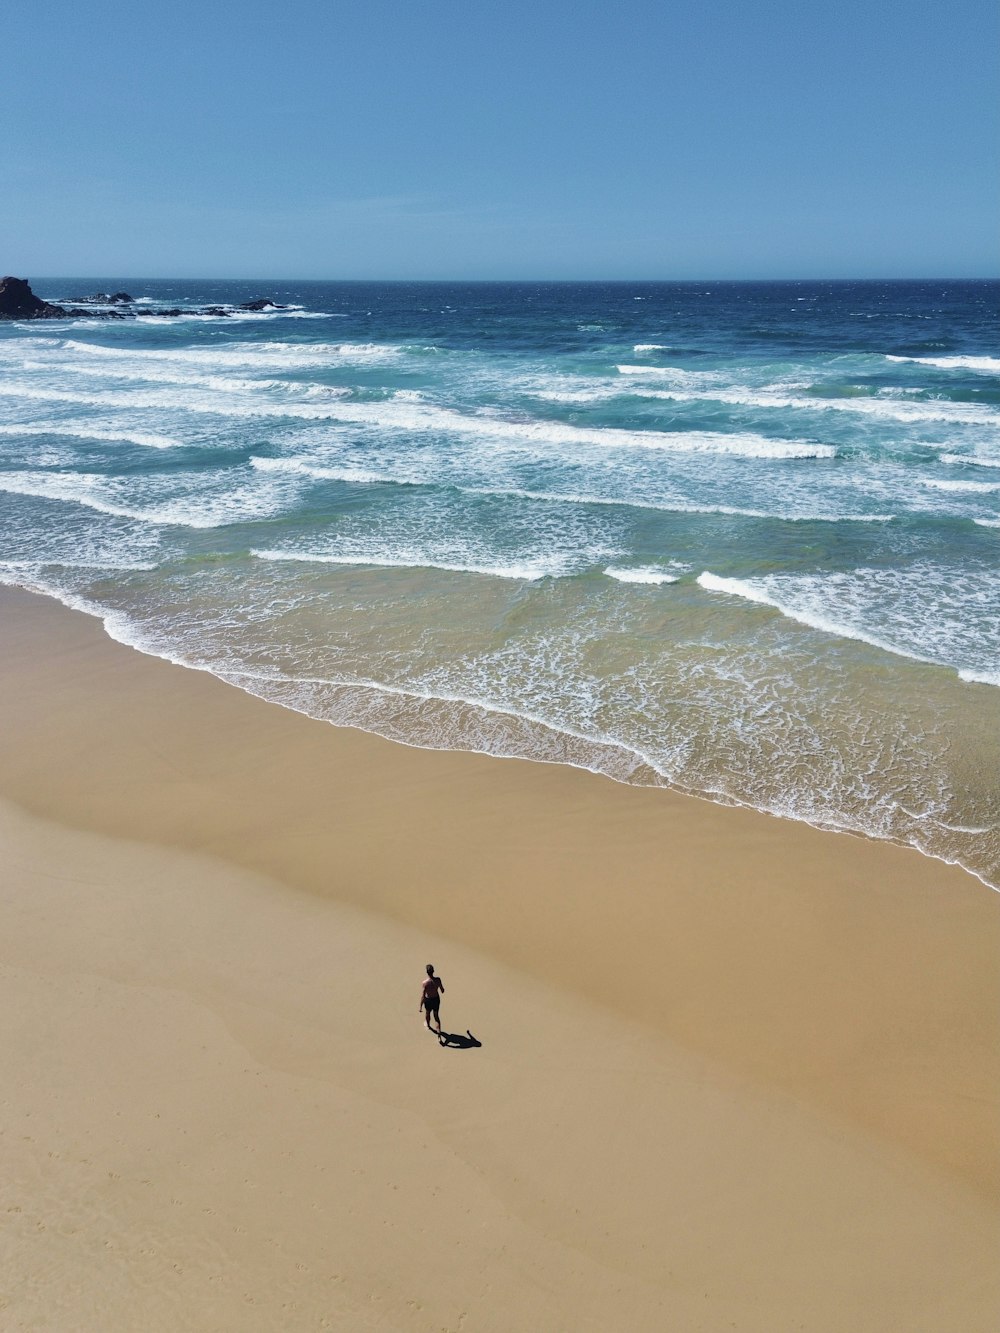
(18, 301)
(104, 298)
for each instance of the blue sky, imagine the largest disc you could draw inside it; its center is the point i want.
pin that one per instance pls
(722, 139)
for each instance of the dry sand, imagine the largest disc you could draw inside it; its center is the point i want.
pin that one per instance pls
(735, 1072)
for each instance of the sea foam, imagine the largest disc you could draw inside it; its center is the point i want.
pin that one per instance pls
(921, 613)
(641, 574)
(974, 487)
(82, 430)
(975, 460)
(233, 502)
(528, 571)
(987, 365)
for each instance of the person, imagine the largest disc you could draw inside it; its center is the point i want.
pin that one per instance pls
(430, 998)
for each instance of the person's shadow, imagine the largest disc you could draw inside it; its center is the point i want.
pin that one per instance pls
(457, 1042)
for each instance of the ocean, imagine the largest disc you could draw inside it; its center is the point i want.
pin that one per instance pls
(737, 539)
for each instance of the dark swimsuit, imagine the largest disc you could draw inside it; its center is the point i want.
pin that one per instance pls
(432, 1000)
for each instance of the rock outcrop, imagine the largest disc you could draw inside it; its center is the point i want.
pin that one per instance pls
(18, 301)
(103, 298)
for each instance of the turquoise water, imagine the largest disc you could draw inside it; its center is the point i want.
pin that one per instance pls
(738, 539)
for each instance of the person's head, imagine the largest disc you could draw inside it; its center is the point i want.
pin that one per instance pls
(430, 969)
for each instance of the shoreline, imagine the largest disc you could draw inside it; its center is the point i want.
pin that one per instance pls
(566, 746)
(565, 738)
(744, 1042)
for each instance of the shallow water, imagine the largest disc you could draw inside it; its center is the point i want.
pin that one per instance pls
(740, 539)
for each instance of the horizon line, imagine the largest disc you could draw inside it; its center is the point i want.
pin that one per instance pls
(214, 277)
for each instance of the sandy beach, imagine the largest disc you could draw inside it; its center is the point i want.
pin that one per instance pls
(735, 1072)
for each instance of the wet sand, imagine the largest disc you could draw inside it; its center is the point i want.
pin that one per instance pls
(734, 1073)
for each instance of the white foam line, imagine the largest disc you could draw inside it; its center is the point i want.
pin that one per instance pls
(529, 572)
(154, 375)
(988, 365)
(82, 431)
(417, 418)
(751, 592)
(597, 394)
(116, 624)
(890, 409)
(79, 489)
(211, 406)
(679, 506)
(17, 346)
(300, 467)
(974, 487)
(636, 758)
(974, 460)
(235, 317)
(45, 487)
(211, 382)
(648, 574)
(980, 677)
(362, 476)
(119, 566)
(659, 371)
(300, 356)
